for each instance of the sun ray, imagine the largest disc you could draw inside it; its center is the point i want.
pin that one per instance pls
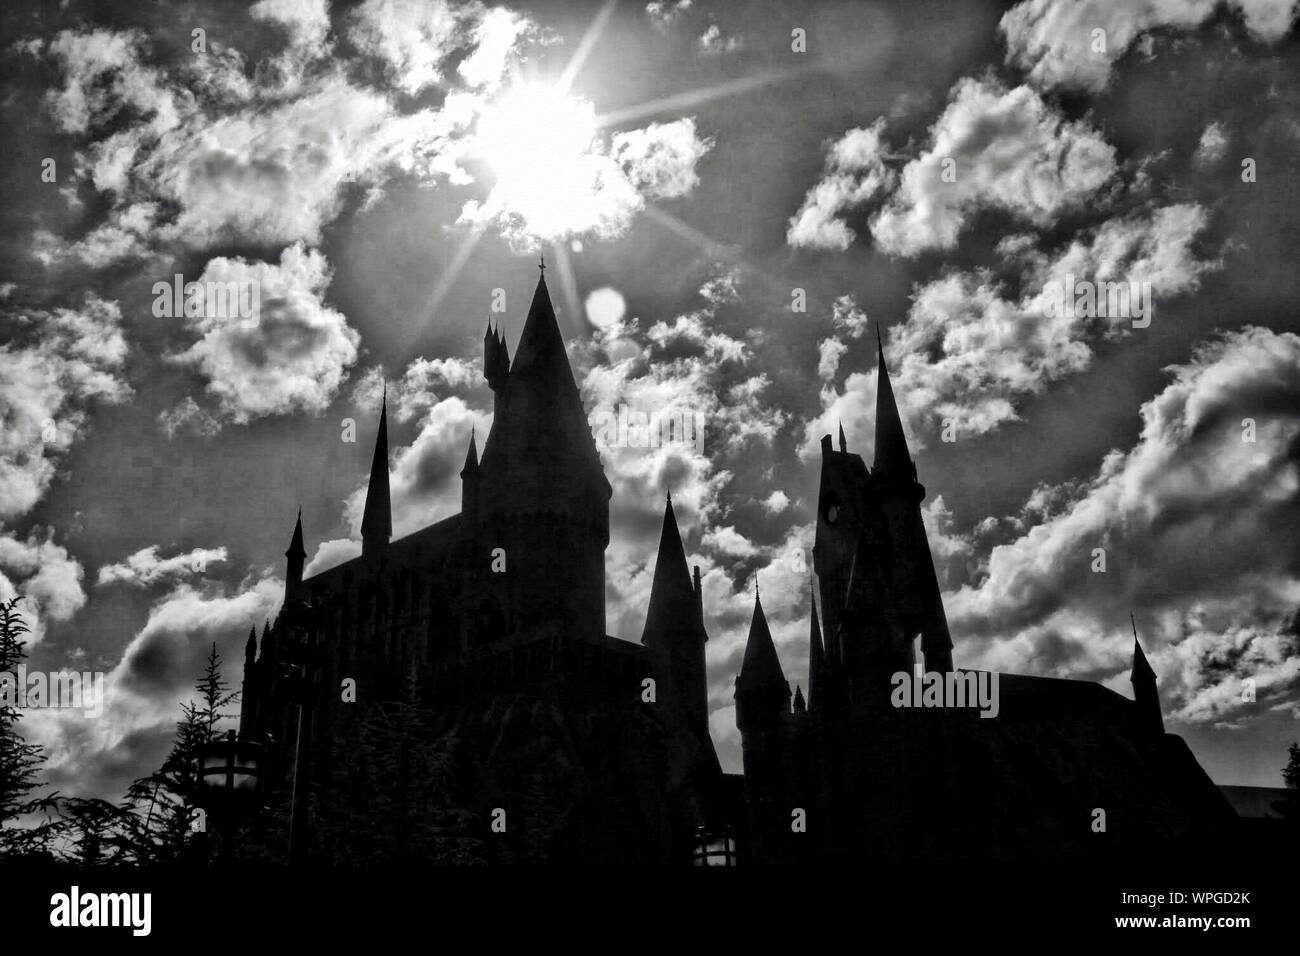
(585, 46)
(569, 288)
(452, 272)
(691, 98)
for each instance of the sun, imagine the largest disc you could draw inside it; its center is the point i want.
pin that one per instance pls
(552, 176)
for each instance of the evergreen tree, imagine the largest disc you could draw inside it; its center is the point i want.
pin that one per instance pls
(165, 802)
(22, 835)
(1289, 806)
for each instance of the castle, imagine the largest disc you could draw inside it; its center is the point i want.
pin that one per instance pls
(498, 613)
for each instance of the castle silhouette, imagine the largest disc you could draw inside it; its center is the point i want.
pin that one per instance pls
(498, 614)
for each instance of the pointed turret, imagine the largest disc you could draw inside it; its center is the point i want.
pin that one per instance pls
(892, 458)
(377, 520)
(800, 707)
(469, 479)
(760, 669)
(673, 626)
(816, 656)
(843, 444)
(1146, 696)
(295, 558)
(250, 648)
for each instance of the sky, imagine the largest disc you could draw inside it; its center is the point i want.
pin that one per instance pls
(731, 198)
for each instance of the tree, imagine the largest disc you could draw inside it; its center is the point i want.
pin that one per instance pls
(164, 803)
(25, 824)
(1289, 806)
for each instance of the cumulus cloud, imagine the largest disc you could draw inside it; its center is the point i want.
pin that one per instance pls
(144, 691)
(1057, 41)
(991, 148)
(1191, 520)
(46, 576)
(1007, 150)
(145, 568)
(292, 358)
(970, 352)
(855, 172)
(53, 365)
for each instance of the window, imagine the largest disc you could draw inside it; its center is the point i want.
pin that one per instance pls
(714, 848)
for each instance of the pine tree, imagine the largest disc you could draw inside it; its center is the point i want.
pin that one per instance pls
(19, 760)
(165, 802)
(1289, 806)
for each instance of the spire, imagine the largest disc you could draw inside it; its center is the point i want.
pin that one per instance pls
(1146, 697)
(377, 520)
(761, 667)
(816, 654)
(892, 457)
(250, 647)
(541, 346)
(1142, 670)
(296, 548)
(843, 444)
(799, 706)
(671, 593)
(295, 557)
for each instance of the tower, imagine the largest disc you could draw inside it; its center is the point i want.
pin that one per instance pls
(764, 719)
(674, 626)
(377, 520)
(543, 498)
(916, 586)
(879, 591)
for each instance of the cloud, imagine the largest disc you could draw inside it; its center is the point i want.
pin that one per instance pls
(415, 39)
(296, 354)
(659, 160)
(145, 568)
(1213, 144)
(53, 365)
(144, 691)
(1193, 524)
(712, 41)
(970, 352)
(1057, 41)
(46, 575)
(1002, 149)
(855, 172)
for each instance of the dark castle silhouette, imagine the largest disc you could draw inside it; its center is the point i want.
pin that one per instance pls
(498, 614)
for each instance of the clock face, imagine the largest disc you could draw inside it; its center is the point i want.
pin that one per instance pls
(832, 513)
(831, 508)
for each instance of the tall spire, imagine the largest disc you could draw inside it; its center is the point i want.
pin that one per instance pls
(892, 457)
(295, 558)
(1146, 697)
(671, 593)
(377, 520)
(843, 443)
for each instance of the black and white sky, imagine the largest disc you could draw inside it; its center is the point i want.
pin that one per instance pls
(694, 173)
